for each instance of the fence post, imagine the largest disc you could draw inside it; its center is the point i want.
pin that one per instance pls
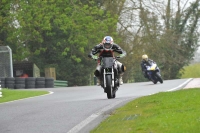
(0, 89)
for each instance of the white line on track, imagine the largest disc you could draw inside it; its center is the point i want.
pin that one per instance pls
(82, 124)
(50, 92)
(181, 85)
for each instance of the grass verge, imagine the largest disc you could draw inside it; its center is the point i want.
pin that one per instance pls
(191, 71)
(164, 112)
(10, 95)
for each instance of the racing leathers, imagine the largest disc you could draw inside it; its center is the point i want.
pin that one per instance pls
(144, 64)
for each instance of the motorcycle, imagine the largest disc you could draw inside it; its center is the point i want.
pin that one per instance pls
(109, 76)
(153, 73)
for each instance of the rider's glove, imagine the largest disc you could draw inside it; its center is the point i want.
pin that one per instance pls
(94, 57)
(121, 55)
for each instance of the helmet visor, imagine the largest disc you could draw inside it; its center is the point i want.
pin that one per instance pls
(107, 45)
(146, 59)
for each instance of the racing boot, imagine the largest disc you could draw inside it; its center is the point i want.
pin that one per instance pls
(121, 70)
(120, 79)
(98, 82)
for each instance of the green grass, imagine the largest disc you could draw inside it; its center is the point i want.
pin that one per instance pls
(191, 71)
(12, 94)
(165, 112)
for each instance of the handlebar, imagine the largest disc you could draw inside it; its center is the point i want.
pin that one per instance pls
(99, 58)
(117, 57)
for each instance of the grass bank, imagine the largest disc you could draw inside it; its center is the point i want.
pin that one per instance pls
(165, 112)
(13, 94)
(191, 71)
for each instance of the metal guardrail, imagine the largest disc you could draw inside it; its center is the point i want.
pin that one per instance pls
(60, 83)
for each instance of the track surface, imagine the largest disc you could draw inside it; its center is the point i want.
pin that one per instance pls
(73, 109)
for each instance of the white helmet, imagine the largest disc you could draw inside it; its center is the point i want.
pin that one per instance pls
(145, 57)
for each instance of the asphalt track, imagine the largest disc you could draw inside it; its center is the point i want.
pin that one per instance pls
(73, 109)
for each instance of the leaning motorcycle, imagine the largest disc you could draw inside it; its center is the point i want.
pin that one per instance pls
(153, 72)
(109, 76)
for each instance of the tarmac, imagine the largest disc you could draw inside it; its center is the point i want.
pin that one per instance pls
(194, 83)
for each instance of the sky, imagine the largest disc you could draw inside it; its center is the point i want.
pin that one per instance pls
(129, 17)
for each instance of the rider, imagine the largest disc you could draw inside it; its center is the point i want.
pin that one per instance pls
(107, 49)
(145, 62)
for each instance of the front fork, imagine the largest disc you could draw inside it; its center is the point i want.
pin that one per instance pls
(104, 77)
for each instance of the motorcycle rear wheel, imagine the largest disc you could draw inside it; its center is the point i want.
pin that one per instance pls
(155, 82)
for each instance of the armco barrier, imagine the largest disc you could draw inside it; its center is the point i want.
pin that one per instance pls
(60, 83)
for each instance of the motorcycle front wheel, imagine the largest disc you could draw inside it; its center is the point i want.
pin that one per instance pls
(159, 77)
(109, 90)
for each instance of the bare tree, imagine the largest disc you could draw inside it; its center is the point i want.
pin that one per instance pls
(165, 30)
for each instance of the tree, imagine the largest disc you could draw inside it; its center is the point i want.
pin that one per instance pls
(169, 39)
(61, 33)
(4, 21)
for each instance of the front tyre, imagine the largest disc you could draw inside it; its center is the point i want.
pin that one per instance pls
(109, 86)
(159, 77)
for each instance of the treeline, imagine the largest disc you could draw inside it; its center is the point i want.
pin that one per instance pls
(60, 34)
